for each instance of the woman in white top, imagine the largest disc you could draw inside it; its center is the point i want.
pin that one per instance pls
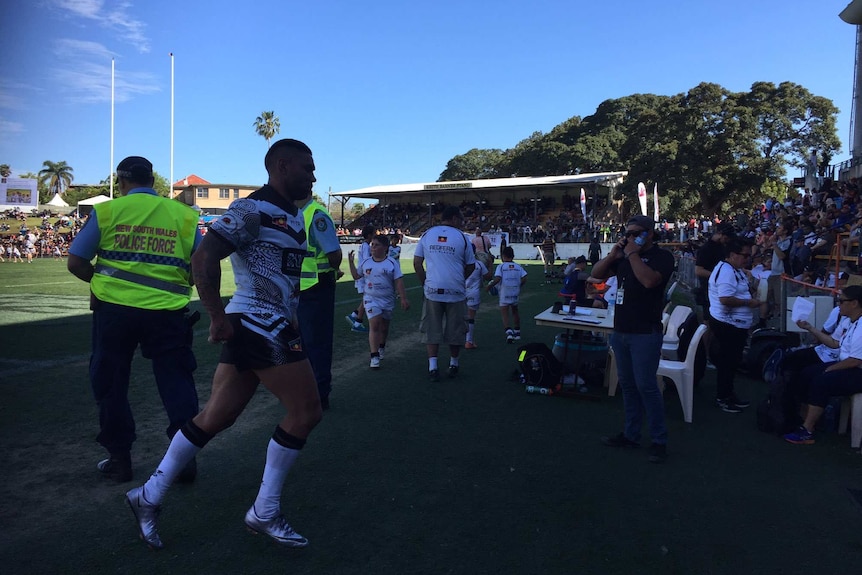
(837, 378)
(731, 315)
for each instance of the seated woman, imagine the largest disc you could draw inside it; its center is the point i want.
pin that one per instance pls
(843, 377)
(575, 284)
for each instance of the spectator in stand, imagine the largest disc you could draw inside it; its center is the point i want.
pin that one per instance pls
(779, 243)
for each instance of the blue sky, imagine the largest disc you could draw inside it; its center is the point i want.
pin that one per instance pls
(384, 92)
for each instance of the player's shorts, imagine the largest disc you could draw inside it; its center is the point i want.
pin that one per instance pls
(374, 309)
(474, 298)
(443, 322)
(509, 299)
(258, 343)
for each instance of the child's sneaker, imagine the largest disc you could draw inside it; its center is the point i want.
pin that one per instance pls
(470, 345)
(375, 362)
(517, 335)
(510, 336)
(380, 351)
(359, 328)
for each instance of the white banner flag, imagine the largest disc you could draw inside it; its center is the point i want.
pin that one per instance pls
(642, 197)
(655, 201)
(584, 204)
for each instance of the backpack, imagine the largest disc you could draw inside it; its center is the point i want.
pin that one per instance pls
(779, 412)
(685, 332)
(538, 366)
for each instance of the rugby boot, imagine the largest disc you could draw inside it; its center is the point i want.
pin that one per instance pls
(147, 516)
(277, 528)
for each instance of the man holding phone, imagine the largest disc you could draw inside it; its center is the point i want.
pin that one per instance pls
(642, 270)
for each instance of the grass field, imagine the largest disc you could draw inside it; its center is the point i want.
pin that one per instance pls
(465, 476)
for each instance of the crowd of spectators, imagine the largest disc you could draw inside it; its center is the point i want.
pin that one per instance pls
(20, 242)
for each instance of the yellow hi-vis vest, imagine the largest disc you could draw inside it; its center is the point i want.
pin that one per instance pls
(144, 253)
(315, 262)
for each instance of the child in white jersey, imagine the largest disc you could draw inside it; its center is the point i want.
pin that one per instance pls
(381, 278)
(480, 275)
(510, 276)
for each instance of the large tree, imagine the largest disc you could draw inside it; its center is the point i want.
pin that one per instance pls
(57, 175)
(267, 125)
(710, 150)
(474, 165)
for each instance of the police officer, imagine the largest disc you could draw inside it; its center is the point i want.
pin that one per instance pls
(320, 270)
(140, 289)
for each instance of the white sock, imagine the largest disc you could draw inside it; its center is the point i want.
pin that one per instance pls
(432, 363)
(179, 453)
(470, 327)
(279, 460)
(453, 361)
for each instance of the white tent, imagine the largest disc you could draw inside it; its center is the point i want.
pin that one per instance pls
(90, 202)
(58, 201)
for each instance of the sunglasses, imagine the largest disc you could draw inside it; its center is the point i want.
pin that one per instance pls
(843, 300)
(630, 233)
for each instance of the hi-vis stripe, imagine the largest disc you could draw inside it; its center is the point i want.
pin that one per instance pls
(143, 280)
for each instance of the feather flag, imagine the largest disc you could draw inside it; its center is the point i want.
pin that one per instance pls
(642, 197)
(584, 204)
(655, 201)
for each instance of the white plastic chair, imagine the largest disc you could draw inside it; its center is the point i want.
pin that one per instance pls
(670, 341)
(682, 373)
(851, 408)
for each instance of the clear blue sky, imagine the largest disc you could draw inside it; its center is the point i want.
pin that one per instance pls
(384, 92)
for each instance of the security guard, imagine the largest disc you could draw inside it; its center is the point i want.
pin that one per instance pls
(140, 289)
(320, 271)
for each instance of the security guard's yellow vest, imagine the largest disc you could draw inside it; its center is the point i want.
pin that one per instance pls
(316, 261)
(144, 252)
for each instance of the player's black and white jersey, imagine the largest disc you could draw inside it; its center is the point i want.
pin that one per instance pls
(267, 233)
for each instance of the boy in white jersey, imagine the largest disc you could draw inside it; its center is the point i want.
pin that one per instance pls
(355, 317)
(510, 276)
(381, 276)
(480, 275)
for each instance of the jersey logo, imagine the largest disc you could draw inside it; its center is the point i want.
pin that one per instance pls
(442, 239)
(280, 221)
(320, 224)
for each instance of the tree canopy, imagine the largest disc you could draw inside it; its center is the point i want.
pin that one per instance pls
(710, 150)
(267, 125)
(57, 175)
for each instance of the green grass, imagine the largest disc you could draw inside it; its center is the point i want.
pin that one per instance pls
(465, 476)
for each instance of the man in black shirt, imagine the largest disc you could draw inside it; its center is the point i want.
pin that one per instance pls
(643, 270)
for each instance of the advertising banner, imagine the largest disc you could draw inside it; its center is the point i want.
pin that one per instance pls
(18, 193)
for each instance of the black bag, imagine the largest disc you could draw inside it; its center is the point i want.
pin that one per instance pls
(538, 365)
(779, 412)
(685, 333)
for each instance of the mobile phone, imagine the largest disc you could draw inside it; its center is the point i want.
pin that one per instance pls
(640, 239)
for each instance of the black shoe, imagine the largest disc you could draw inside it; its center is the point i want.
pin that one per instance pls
(434, 375)
(118, 469)
(189, 472)
(620, 440)
(453, 371)
(728, 406)
(738, 402)
(657, 453)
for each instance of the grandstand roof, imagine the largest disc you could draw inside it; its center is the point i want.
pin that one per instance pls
(533, 185)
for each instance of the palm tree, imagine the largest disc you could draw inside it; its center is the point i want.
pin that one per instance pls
(267, 125)
(57, 174)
